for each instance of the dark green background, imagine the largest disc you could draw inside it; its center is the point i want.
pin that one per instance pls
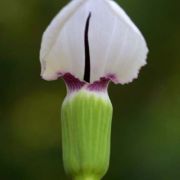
(146, 123)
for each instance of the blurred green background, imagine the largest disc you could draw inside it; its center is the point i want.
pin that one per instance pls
(146, 123)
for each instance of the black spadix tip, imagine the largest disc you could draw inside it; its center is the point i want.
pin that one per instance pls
(87, 51)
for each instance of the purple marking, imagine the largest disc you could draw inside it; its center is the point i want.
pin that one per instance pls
(74, 84)
(113, 78)
(100, 85)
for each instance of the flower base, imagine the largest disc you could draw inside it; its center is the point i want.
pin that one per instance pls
(86, 130)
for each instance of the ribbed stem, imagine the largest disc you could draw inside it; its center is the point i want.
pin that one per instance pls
(86, 129)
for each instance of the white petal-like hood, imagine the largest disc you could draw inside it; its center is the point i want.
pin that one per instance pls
(116, 46)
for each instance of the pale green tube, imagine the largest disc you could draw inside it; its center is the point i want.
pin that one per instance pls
(86, 130)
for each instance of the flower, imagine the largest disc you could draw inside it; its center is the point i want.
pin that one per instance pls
(89, 43)
(92, 40)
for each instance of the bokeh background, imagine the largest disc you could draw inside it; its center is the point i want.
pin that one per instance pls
(146, 122)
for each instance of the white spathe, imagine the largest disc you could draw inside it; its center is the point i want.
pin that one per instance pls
(116, 45)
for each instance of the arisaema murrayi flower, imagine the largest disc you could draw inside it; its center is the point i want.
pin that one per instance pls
(88, 44)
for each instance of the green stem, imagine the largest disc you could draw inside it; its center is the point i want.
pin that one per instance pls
(86, 130)
(86, 178)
